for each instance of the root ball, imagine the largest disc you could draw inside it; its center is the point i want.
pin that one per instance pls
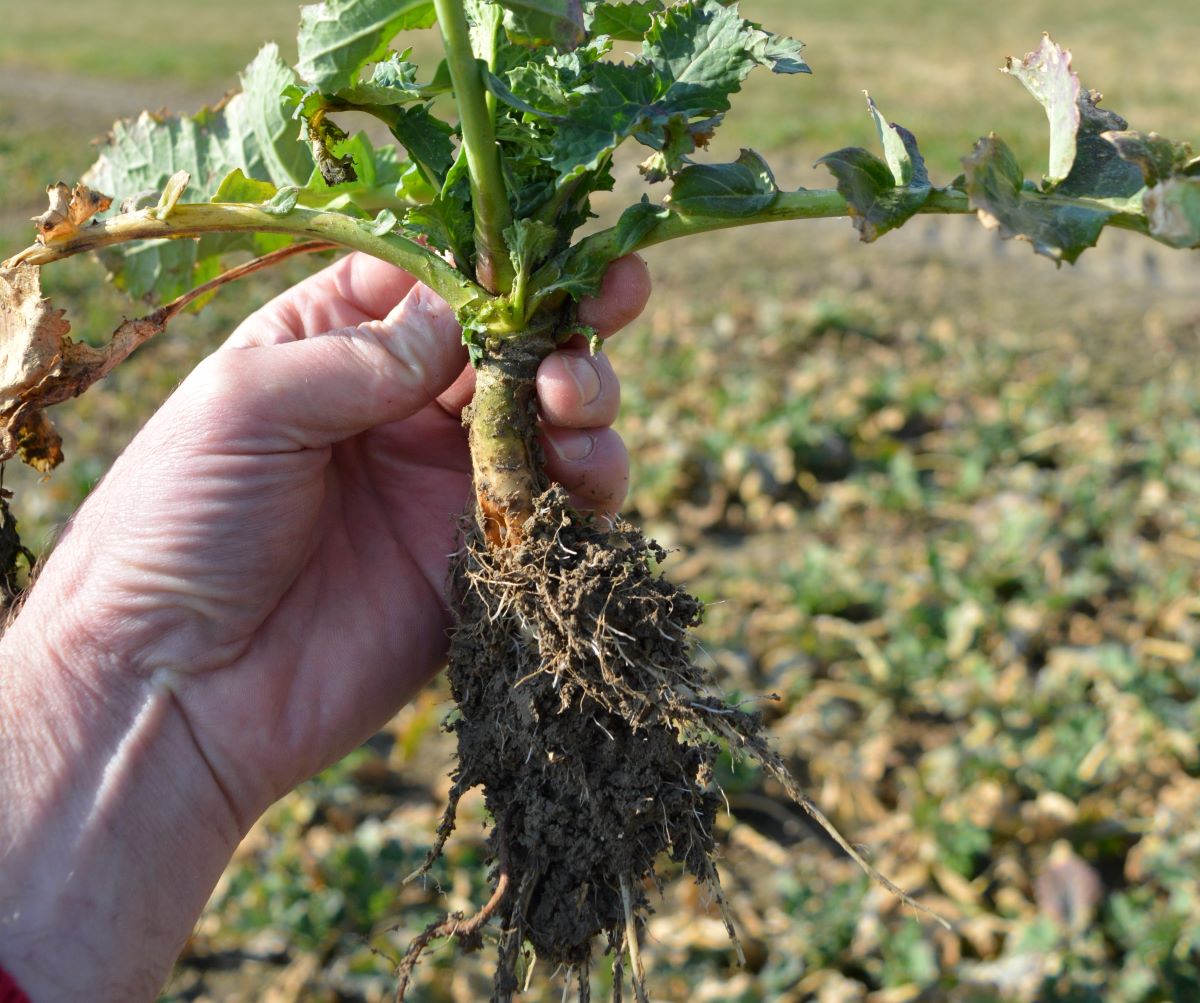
(584, 719)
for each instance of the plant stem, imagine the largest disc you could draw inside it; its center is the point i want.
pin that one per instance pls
(219, 217)
(502, 418)
(807, 203)
(489, 196)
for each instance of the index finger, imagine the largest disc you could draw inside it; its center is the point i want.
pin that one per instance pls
(353, 290)
(624, 292)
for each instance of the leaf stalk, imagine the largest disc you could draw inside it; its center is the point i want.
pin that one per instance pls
(805, 203)
(230, 217)
(489, 195)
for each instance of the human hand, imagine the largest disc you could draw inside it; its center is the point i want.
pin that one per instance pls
(260, 577)
(291, 510)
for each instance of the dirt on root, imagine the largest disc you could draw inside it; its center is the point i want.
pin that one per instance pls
(591, 731)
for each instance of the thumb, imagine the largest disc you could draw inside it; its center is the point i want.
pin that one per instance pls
(313, 392)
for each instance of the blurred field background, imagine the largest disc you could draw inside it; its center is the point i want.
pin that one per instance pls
(943, 498)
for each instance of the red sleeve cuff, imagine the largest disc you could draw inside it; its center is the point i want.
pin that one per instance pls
(10, 992)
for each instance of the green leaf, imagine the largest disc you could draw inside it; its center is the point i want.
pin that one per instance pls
(701, 52)
(171, 194)
(1046, 73)
(544, 22)
(1082, 162)
(529, 242)
(625, 22)
(618, 104)
(447, 222)
(539, 88)
(383, 181)
(339, 37)
(869, 188)
(900, 150)
(260, 122)
(695, 55)
(1059, 229)
(253, 132)
(782, 54)
(735, 190)
(1173, 211)
(383, 223)
(236, 187)
(882, 195)
(580, 273)
(389, 97)
(674, 142)
(382, 184)
(1099, 170)
(1156, 157)
(283, 201)
(485, 19)
(635, 224)
(506, 94)
(425, 137)
(392, 82)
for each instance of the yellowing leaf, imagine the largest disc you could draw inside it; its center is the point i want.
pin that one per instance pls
(171, 194)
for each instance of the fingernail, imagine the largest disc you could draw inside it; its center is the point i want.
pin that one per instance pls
(573, 446)
(585, 375)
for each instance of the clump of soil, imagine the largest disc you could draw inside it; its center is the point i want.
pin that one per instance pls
(593, 734)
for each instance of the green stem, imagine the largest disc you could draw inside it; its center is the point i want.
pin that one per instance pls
(489, 196)
(814, 203)
(807, 203)
(221, 217)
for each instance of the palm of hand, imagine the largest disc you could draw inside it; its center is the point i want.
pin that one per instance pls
(321, 474)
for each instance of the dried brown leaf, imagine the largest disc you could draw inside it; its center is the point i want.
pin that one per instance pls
(13, 553)
(1069, 890)
(36, 440)
(31, 332)
(69, 210)
(41, 366)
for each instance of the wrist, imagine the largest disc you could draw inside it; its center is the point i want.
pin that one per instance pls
(115, 830)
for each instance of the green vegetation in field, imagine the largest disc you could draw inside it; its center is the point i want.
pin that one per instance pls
(145, 42)
(977, 602)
